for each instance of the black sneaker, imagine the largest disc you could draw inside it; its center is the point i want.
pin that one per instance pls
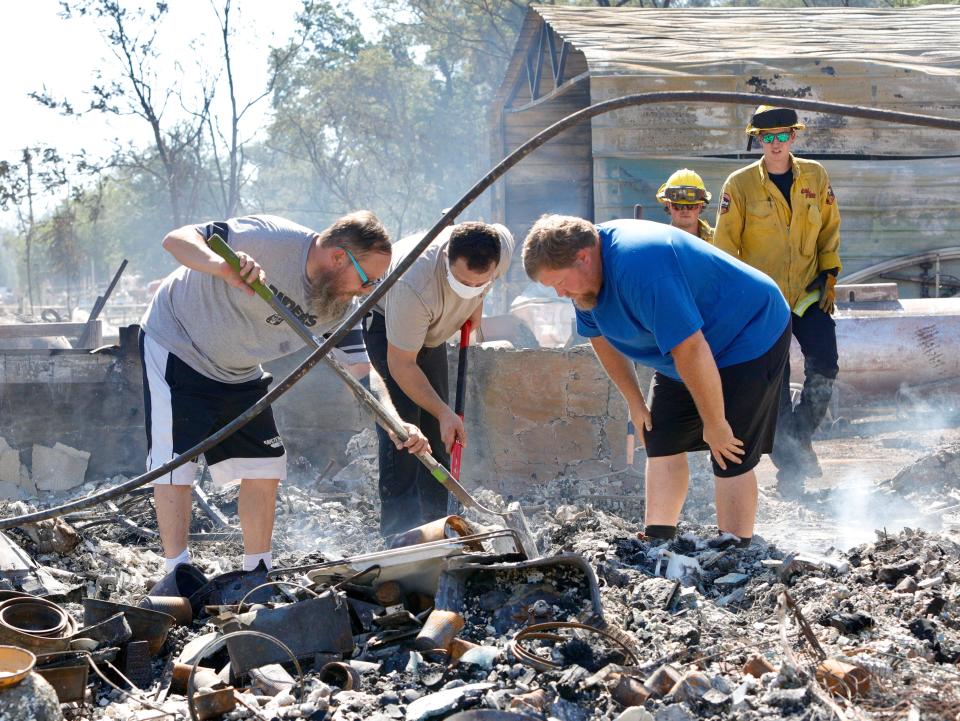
(790, 482)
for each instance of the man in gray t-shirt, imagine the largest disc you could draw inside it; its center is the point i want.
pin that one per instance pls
(205, 335)
(406, 338)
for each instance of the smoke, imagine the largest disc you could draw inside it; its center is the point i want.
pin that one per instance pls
(857, 510)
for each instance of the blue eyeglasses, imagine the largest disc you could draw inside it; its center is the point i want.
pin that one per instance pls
(365, 281)
(781, 137)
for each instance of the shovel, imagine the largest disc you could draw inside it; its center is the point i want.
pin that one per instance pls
(457, 450)
(512, 518)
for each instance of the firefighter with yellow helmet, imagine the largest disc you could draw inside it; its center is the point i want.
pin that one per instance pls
(684, 196)
(780, 215)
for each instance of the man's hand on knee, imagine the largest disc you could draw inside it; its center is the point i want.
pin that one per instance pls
(723, 445)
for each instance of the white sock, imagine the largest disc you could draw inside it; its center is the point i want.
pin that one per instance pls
(251, 560)
(171, 563)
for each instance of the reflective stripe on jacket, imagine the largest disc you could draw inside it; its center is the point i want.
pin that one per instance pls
(791, 244)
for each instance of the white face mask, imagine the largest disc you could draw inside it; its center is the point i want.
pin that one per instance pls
(464, 291)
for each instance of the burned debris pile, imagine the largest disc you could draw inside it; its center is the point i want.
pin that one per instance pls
(460, 624)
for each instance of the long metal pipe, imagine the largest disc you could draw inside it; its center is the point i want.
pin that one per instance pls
(909, 342)
(679, 96)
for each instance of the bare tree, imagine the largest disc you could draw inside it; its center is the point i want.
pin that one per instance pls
(229, 164)
(41, 171)
(135, 90)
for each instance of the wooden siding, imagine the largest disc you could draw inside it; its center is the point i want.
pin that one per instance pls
(879, 220)
(711, 129)
(906, 60)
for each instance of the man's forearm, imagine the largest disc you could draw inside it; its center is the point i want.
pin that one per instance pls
(698, 370)
(188, 247)
(620, 369)
(414, 382)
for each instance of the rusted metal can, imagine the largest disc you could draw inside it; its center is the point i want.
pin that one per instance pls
(441, 528)
(177, 606)
(458, 647)
(341, 675)
(203, 678)
(388, 593)
(439, 630)
(629, 691)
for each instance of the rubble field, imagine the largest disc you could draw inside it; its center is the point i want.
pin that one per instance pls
(605, 625)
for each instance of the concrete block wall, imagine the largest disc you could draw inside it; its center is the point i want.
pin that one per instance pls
(532, 415)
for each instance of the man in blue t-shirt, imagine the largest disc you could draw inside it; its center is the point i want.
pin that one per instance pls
(715, 330)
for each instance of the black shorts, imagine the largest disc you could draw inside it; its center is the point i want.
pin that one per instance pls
(183, 407)
(751, 394)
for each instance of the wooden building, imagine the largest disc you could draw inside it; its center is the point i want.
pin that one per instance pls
(898, 186)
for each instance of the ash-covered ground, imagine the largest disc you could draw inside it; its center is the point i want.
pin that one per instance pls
(696, 628)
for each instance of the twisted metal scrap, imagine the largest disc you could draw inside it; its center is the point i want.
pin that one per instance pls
(539, 631)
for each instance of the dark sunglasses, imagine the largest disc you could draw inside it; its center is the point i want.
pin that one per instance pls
(365, 281)
(782, 137)
(685, 206)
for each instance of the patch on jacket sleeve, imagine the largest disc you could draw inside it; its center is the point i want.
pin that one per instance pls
(724, 203)
(830, 196)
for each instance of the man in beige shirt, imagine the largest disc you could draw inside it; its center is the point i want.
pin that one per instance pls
(406, 341)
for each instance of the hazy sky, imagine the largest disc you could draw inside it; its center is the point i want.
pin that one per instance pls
(40, 49)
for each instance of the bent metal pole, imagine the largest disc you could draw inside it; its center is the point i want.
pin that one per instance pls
(680, 97)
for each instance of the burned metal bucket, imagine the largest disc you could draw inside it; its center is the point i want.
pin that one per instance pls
(307, 628)
(35, 644)
(145, 625)
(203, 678)
(184, 580)
(35, 616)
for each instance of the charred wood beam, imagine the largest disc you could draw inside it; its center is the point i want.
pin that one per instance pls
(214, 513)
(122, 519)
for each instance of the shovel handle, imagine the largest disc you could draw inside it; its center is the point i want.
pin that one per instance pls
(457, 450)
(219, 246)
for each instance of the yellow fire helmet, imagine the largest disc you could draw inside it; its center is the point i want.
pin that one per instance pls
(684, 187)
(766, 117)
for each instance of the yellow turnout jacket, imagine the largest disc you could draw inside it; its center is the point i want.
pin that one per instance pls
(791, 244)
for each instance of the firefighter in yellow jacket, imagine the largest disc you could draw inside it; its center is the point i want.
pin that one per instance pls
(780, 216)
(684, 197)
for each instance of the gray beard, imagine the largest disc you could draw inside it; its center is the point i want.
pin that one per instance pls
(326, 304)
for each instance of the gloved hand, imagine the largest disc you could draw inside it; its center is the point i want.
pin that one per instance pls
(824, 282)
